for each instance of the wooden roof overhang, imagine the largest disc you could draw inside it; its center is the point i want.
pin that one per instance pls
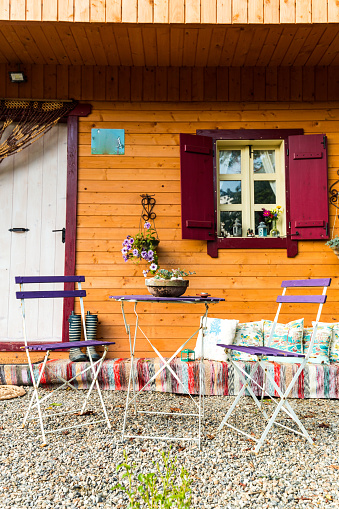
(110, 44)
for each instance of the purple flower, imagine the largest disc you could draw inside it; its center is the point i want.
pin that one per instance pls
(125, 243)
(145, 272)
(131, 240)
(124, 250)
(150, 253)
(135, 252)
(144, 254)
(153, 267)
(147, 225)
(125, 258)
(149, 258)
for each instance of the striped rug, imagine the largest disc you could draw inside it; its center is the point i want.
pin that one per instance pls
(220, 378)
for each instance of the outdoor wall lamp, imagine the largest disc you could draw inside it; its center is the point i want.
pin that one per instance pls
(17, 77)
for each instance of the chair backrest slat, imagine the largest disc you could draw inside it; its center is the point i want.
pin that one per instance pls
(302, 299)
(49, 279)
(306, 282)
(50, 294)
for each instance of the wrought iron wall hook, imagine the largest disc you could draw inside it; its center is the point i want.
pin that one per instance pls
(148, 204)
(334, 193)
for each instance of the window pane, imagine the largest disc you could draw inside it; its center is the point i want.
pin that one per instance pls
(229, 161)
(227, 220)
(264, 191)
(264, 161)
(230, 192)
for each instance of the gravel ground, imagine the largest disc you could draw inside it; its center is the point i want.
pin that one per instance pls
(77, 468)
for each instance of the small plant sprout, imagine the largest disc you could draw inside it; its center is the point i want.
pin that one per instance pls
(167, 486)
(172, 274)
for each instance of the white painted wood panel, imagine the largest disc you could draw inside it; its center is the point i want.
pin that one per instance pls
(33, 190)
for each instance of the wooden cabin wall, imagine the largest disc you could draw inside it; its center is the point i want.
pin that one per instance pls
(109, 208)
(173, 84)
(172, 11)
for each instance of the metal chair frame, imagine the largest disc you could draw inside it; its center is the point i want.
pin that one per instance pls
(95, 367)
(272, 355)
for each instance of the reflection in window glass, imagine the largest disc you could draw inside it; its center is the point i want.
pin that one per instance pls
(265, 191)
(229, 161)
(264, 161)
(230, 192)
(227, 220)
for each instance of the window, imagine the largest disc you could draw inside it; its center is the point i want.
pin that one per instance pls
(250, 177)
(224, 173)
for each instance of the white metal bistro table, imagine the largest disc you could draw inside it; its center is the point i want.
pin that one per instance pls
(166, 362)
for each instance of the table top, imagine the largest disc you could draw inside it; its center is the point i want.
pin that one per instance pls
(65, 345)
(262, 350)
(150, 298)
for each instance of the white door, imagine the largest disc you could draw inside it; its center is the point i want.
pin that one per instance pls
(33, 196)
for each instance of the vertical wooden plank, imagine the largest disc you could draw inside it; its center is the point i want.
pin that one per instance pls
(81, 10)
(234, 84)
(161, 13)
(136, 84)
(38, 81)
(177, 45)
(99, 82)
(49, 10)
(224, 11)
(161, 83)
(74, 77)
(210, 84)
(173, 83)
(321, 83)
(113, 11)
(287, 11)
(62, 82)
(308, 84)
(208, 11)
(97, 11)
(145, 11)
(246, 77)
(271, 84)
(50, 81)
(129, 11)
(333, 83)
(65, 10)
(112, 83)
(124, 83)
(149, 83)
(284, 84)
(192, 11)
(4, 10)
(333, 11)
(197, 84)
(296, 83)
(176, 11)
(17, 10)
(185, 84)
(303, 11)
(239, 11)
(25, 89)
(33, 10)
(259, 84)
(319, 11)
(163, 45)
(3, 79)
(222, 83)
(87, 86)
(271, 11)
(255, 11)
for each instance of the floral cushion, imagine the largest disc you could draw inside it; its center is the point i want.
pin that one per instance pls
(247, 334)
(321, 345)
(334, 350)
(217, 331)
(288, 337)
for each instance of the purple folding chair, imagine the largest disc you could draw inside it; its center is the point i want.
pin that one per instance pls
(274, 355)
(94, 367)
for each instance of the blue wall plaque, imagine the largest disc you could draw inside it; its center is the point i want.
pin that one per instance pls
(108, 141)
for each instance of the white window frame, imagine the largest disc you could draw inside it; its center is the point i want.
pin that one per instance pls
(248, 177)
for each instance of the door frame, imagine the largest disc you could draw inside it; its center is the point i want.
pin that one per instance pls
(72, 119)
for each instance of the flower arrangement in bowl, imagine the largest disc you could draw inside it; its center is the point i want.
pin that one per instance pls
(271, 218)
(142, 247)
(168, 283)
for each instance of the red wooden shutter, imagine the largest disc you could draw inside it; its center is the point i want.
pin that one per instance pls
(308, 187)
(197, 191)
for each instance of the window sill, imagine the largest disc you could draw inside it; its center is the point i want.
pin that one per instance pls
(252, 243)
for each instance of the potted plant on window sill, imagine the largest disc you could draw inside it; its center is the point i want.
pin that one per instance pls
(168, 283)
(334, 244)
